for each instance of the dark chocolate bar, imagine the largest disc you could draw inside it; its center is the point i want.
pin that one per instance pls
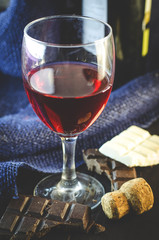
(117, 172)
(30, 217)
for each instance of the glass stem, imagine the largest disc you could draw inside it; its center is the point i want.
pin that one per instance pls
(69, 177)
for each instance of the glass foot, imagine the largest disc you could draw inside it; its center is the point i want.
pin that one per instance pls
(87, 191)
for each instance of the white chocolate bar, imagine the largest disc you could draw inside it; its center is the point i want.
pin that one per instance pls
(125, 142)
(133, 147)
(151, 145)
(137, 130)
(136, 138)
(154, 138)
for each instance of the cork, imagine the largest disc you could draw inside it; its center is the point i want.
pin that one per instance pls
(139, 195)
(135, 195)
(115, 204)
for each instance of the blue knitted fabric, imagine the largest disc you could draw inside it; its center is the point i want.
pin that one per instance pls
(12, 22)
(25, 142)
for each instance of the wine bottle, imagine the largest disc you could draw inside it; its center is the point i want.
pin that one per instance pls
(126, 18)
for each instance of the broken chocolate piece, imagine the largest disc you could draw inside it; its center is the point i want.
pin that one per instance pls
(31, 216)
(121, 174)
(116, 172)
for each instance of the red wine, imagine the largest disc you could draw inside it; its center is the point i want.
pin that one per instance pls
(68, 97)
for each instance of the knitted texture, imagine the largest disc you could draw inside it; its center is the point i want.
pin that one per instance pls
(12, 22)
(25, 142)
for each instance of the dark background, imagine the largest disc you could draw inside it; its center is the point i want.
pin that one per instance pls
(125, 17)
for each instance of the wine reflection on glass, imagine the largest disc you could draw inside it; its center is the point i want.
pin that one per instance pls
(68, 67)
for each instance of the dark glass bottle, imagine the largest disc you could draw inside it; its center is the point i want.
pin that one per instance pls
(126, 18)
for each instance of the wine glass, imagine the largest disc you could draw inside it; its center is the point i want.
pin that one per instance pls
(68, 73)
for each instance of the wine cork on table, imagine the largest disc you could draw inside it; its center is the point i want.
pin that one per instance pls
(139, 195)
(135, 194)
